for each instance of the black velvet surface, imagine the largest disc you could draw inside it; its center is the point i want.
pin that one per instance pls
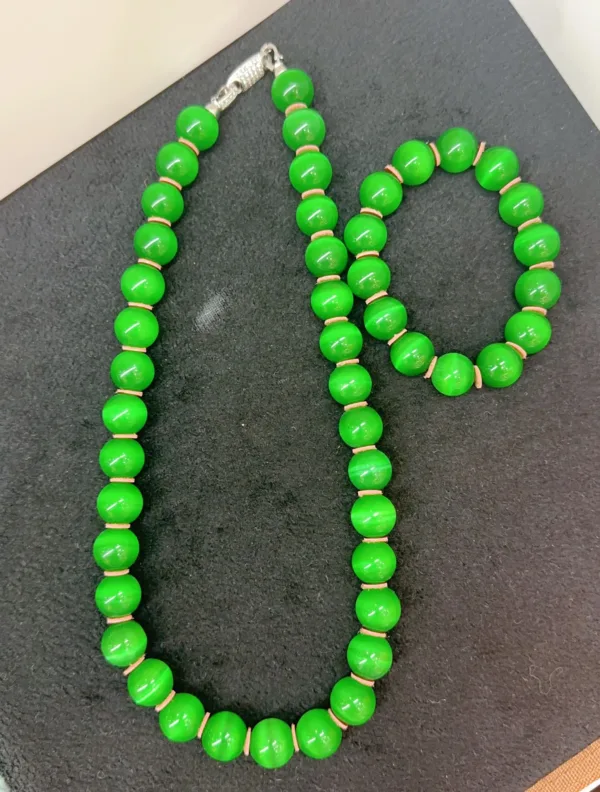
(248, 591)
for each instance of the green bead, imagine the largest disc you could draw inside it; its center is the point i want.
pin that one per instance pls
(303, 128)
(381, 191)
(271, 743)
(310, 171)
(369, 657)
(150, 683)
(352, 702)
(521, 203)
(373, 562)
(140, 283)
(326, 256)
(118, 596)
(411, 354)
(370, 470)
(369, 275)
(537, 243)
(500, 365)
(178, 162)
(124, 414)
(155, 241)
(122, 644)
(116, 549)
(350, 384)
(340, 341)
(291, 87)
(317, 213)
(529, 330)
(132, 371)
(365, 232)
(453, 375)
(361, 426)
(378, 609)
(538, 287)
(318, 736)
(121, 458)
(198, 125)
(497, 167)
(332, 298)
(180, 720)
(162, 200)
(415, 161)
(224, 736)
(119, 503)
(384, 318)
(458, 148)
(136, 327)
(373, 516)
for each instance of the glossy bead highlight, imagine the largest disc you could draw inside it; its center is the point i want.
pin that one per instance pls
(537, 243)
(521, 203)
(352, 702)
(350, 384)
(292, 87)
(457, 148)
(364, 232)
(368, 275)
(156, 242)
(178, 162)
(340, 341)
(529, 330)
(310, 171)
(453, 375)
(198, 125)
(115, 549)
(361, 426)
(124, 414)
(500, 365)
(326, 256)
(180, 720)
(373, 562)
(540, 288)
(118, 596)
(303, 128)
(496, 168)
(415, 162)
(120, 503)
(223, 736)
(411, 354)
(150, 683)
(271, 743)
(161, 199)
(373, 516)
(378, 609)
(318, 736)
(370, 470)
(317, 213)
(132, 371)
(381, 191)
(384, 318)
(136, 327)
(143, 284)
(122, 644)
(369, 657)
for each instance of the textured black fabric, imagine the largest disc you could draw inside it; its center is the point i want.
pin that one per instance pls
(246, 542)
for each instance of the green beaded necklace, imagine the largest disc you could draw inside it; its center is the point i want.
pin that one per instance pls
(318, 733)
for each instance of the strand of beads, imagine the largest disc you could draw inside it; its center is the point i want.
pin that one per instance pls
(536, 245)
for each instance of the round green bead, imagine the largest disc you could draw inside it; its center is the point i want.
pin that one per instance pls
(136, 327)
(271, 743)
(340, 341)
(411, 354)
(178, 162)
(458, 148)
(373, 516)
(310, 171)
(350, 384)
(352, 702)
(332, 298)
(361, 426)
(132, 371)
(121, 458)
(180, 720)
(369, 657)
(124, 414)
(378, 609)
(122, 644)
(318, 736)
(500, 365)
(291, 87)
(224, 736)
(303, 128)
(496, 168)
(384, 318)
(415, 161)
(326, 256)
(453, 375)
(317, 213)
(381, 191)
(373, 562)
(368, 275)
(370, 470)
(140, 283)
(116, 549)
(155, 241)
(119, 503)
(118, 596)
(538, 287)
(199, 126)
(150, 683)
(162, 200)
(529, 330)
(537, 243)
(365, 232)
(521, 203)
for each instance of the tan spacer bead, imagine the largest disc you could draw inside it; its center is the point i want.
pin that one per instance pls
(295, 738)
(325, 278)
(364, 448)
(121, 480)
(480, 151)
(125, 436)
(366, 682)
(316, 191)
(133, 349)
(478, 378)
(354, 405)
(203, 724)
(395, 172)
(535, 309)
(436, 154)
(319, 234)
(364, 631)
(349, 362)
(164, 703)
(149, 263)
(543, 265)
(304, 149)
(367, 586)
(133, 666)
(362, 493)
(375, 296)
(117, 573)
(140, 305)
(119, 619)
(517, 348)
(167, 180)
(527, 223)
(429, 371)
(370, 211)
(293, 107)
(162, 220)
(336, 720)
(335, 319)
(117, 525)
(509, 185)
(366, 253)
(247, 742)
(394, 338)
(375, 539)
(129, 392)
(190, 145)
